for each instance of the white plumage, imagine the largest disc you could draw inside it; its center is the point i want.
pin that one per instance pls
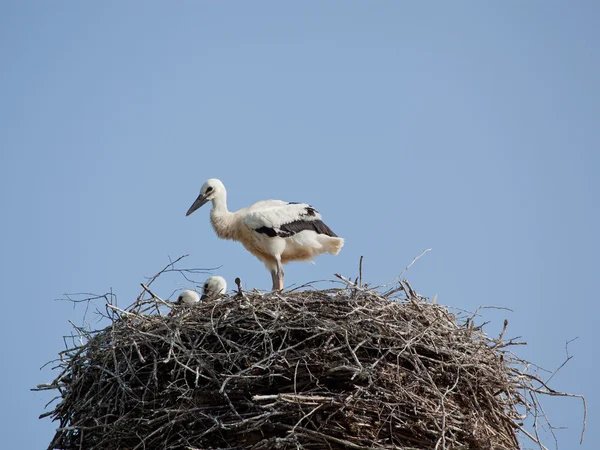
(213, 287)
(274, 231)
(188, 298)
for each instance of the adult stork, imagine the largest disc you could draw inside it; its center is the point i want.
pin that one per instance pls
(274, 231)
(213, 287)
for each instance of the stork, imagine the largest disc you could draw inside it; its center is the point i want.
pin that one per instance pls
(274, 231)
(213, 287)
(188, 298)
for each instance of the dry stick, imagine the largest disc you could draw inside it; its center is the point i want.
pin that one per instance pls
(537, 406)
(294, 398)
(554, 393)
(533, 439)
(325, 437)
(346, 280)
(360, 278)
(305, 417)
(154, 277)
(311, 284)
(442, 400)
(152, 293)
(296, 377)
(171, 264)
(503, 330)
(413, 261)
(566, 360)
(353, 352)
(156, 297)
(122, 312)
(399, 277)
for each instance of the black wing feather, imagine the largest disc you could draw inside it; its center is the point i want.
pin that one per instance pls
(291, 228)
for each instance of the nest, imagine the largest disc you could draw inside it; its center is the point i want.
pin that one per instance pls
(316, 369)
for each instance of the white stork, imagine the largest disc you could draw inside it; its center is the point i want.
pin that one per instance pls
(274, 231)
(213, 287)
(188, 298)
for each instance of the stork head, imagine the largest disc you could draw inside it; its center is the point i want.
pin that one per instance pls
(210, 190)
(213, 287)
(188, 298)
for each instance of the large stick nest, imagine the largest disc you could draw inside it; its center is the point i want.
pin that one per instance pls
(336, 369)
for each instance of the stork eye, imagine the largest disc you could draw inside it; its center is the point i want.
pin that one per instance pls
(209, 189)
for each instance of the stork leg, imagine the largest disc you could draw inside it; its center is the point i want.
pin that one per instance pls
(276, 271)
(275, 279)
(280, 279)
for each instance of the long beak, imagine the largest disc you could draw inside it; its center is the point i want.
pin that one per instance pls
(201, 200)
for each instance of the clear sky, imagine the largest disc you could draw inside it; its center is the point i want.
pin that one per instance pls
(468, 127)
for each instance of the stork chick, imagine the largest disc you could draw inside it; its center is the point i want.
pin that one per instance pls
(188, 298)
(213, 287)
(275, 231)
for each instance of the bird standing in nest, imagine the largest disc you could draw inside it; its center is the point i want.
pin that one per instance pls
(274, 231)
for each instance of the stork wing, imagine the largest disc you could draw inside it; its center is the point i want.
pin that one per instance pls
(276, 218)
(265, 204)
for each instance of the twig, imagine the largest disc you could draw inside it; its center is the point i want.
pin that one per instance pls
(360, 276)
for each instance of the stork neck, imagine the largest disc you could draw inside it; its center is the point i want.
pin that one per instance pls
(219, 205)
(222, 220)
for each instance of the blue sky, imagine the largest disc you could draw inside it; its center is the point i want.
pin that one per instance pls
(467, 127)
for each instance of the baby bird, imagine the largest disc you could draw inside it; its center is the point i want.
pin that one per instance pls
(188, 298)
(213, 287)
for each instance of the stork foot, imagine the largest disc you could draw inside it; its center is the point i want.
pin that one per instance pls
(278, 286)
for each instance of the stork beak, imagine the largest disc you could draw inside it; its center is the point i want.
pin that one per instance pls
(204, 297)
(201, 200)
